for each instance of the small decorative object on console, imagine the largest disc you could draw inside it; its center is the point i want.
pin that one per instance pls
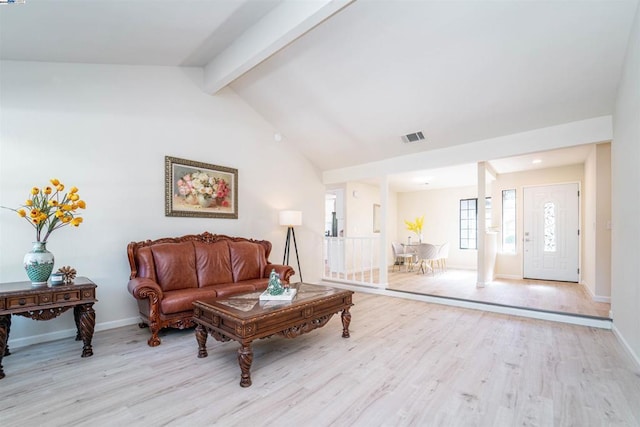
(69, 273)
(57, 278)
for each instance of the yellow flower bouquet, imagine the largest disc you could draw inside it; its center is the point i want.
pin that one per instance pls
(416, 226)
(48, 209)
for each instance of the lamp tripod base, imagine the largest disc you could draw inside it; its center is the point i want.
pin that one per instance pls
(287, 249)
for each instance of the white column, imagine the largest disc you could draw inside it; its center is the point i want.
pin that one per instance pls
(482, 185)
(384, 239)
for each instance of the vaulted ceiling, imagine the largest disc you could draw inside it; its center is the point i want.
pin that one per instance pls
(343, 80)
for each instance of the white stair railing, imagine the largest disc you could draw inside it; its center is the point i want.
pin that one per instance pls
(352, 260)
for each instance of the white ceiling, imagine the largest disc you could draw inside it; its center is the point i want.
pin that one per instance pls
(134, 32)
(345, 92)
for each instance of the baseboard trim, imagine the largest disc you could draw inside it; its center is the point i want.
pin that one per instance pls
(66, 333)
(574, 319)
(508, 276)
(595, 297)
(625, 344)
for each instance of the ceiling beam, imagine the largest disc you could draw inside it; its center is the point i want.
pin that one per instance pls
(288, 21)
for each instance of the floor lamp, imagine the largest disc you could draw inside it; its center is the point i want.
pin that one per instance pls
(291, 219)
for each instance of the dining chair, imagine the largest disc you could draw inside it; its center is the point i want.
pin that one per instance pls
(427, 255)
(401, 256)
(443, 254)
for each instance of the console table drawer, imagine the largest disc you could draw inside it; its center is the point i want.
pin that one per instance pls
(88, 294)
(44, 299)
(66, 296)
(22, 301)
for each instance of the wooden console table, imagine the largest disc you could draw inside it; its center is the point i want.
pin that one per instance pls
(45, 303)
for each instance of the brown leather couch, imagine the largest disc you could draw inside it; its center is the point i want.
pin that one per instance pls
(168, 275)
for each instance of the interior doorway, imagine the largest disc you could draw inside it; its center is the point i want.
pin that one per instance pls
(334, 213)
(551, 232)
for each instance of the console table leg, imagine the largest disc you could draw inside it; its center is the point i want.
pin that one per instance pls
(5, 325)
(6, 351)
(76, 318)
(201, 337)
(245, 357)
(346, 320)
(86, 323)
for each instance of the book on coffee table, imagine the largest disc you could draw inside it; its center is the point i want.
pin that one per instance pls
(285, 296)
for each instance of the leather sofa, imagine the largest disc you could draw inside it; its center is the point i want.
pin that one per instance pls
(169, 274)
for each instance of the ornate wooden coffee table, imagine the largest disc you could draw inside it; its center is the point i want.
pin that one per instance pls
(244, 318)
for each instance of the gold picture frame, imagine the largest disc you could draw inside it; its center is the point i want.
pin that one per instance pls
(202, 190)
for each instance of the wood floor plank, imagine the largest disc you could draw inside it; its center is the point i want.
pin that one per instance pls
(407, 363)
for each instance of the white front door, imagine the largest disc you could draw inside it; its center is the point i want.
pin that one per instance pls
(551, 232)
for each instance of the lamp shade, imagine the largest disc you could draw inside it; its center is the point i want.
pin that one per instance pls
(290, 218)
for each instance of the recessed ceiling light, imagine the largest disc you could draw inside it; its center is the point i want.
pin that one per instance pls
(536, 161)
(423, 179)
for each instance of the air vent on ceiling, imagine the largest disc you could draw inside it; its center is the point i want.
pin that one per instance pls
(413, 137)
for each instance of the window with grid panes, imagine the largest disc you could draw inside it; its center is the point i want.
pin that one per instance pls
(468, 224)
(509, 221)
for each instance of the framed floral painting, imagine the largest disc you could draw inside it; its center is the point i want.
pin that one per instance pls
(196, 189)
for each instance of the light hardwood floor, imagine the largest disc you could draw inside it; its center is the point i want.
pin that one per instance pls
(407, 363)
(537, 294)
(542, 295)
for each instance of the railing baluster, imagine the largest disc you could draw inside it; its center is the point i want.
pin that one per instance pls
(352, 259)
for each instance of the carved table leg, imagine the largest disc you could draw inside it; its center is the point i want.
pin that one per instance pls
(6, 348)
(346, 320)
(86, 320)
(76, 318)
(5, 324)
(201, 337)
(245, 357)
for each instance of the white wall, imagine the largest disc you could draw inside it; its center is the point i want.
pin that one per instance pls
(441, 210)
(359, 201)
(596, 265)
(603, 223)
(106, 130)
(625, 200)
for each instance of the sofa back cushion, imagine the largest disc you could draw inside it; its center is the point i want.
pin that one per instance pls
(213, 263)
(248, 260)
(175, 265)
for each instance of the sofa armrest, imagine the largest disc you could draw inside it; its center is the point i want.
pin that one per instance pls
(284, 271)
(142, 288)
